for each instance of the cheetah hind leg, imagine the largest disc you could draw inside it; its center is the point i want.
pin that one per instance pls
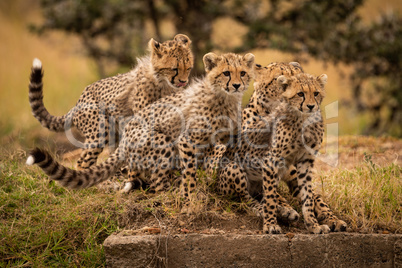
(233, 181)
(92, 122)
(326, 216)
(88, 158)
(322, 211)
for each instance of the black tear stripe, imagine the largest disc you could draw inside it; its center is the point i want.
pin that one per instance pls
(314, 97)
(301, 105)
(177, 72)
(227, 84)
(316, 101)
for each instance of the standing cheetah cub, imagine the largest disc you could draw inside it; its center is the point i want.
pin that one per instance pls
(110, 101)
(184, 125)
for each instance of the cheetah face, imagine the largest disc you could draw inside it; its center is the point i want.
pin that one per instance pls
(303, 92)
(229, 72)
(172, 60)
(264, 78)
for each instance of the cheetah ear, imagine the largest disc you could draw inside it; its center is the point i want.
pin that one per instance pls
(297, 65)
(258, 70)
(183, 39)
(249, 59)
(284, 83)
(210, 61)
(155, 47)
(322, 80)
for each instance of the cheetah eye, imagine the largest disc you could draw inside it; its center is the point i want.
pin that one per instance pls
(301, 94)
(242, 73)
(316, 94)
(227, 73)
(175, 69)
(189, 69)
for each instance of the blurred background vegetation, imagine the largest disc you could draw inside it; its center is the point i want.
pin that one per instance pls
(357, 43)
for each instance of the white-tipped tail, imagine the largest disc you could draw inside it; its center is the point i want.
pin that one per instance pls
(30, 161)
(127, 187)
(37, 64)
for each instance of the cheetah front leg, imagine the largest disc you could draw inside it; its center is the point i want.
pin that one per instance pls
(270, 195)
(187, 153)
(213, 158)
(324, 214)
(304, 181)
(285, 211)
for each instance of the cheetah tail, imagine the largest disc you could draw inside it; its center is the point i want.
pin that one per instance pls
(54, 123)
(70, 178)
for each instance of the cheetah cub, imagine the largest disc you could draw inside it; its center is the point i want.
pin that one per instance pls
(106, 104)
(293, 136)
(281, 133)
(176, 129)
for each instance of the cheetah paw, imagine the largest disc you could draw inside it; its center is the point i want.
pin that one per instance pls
(320, 229)
(288, 214)
(337, 225)
(272, 229)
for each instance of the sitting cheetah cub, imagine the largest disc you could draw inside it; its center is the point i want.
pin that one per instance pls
(184, 125)
(112, 100)
(279, 139)
(291, 121)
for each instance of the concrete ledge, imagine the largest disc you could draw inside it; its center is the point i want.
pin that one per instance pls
(299, 250)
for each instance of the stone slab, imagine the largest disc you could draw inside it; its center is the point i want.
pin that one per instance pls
(231, 250)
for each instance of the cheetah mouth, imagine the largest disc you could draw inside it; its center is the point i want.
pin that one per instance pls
(309, 112)
(181, 84)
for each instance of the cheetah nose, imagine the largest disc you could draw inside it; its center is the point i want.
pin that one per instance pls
(311, 107)
(236, 86)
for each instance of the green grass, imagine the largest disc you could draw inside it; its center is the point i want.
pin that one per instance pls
(43, 224)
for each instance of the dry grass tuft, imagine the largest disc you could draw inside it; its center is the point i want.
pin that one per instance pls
(368, 197)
